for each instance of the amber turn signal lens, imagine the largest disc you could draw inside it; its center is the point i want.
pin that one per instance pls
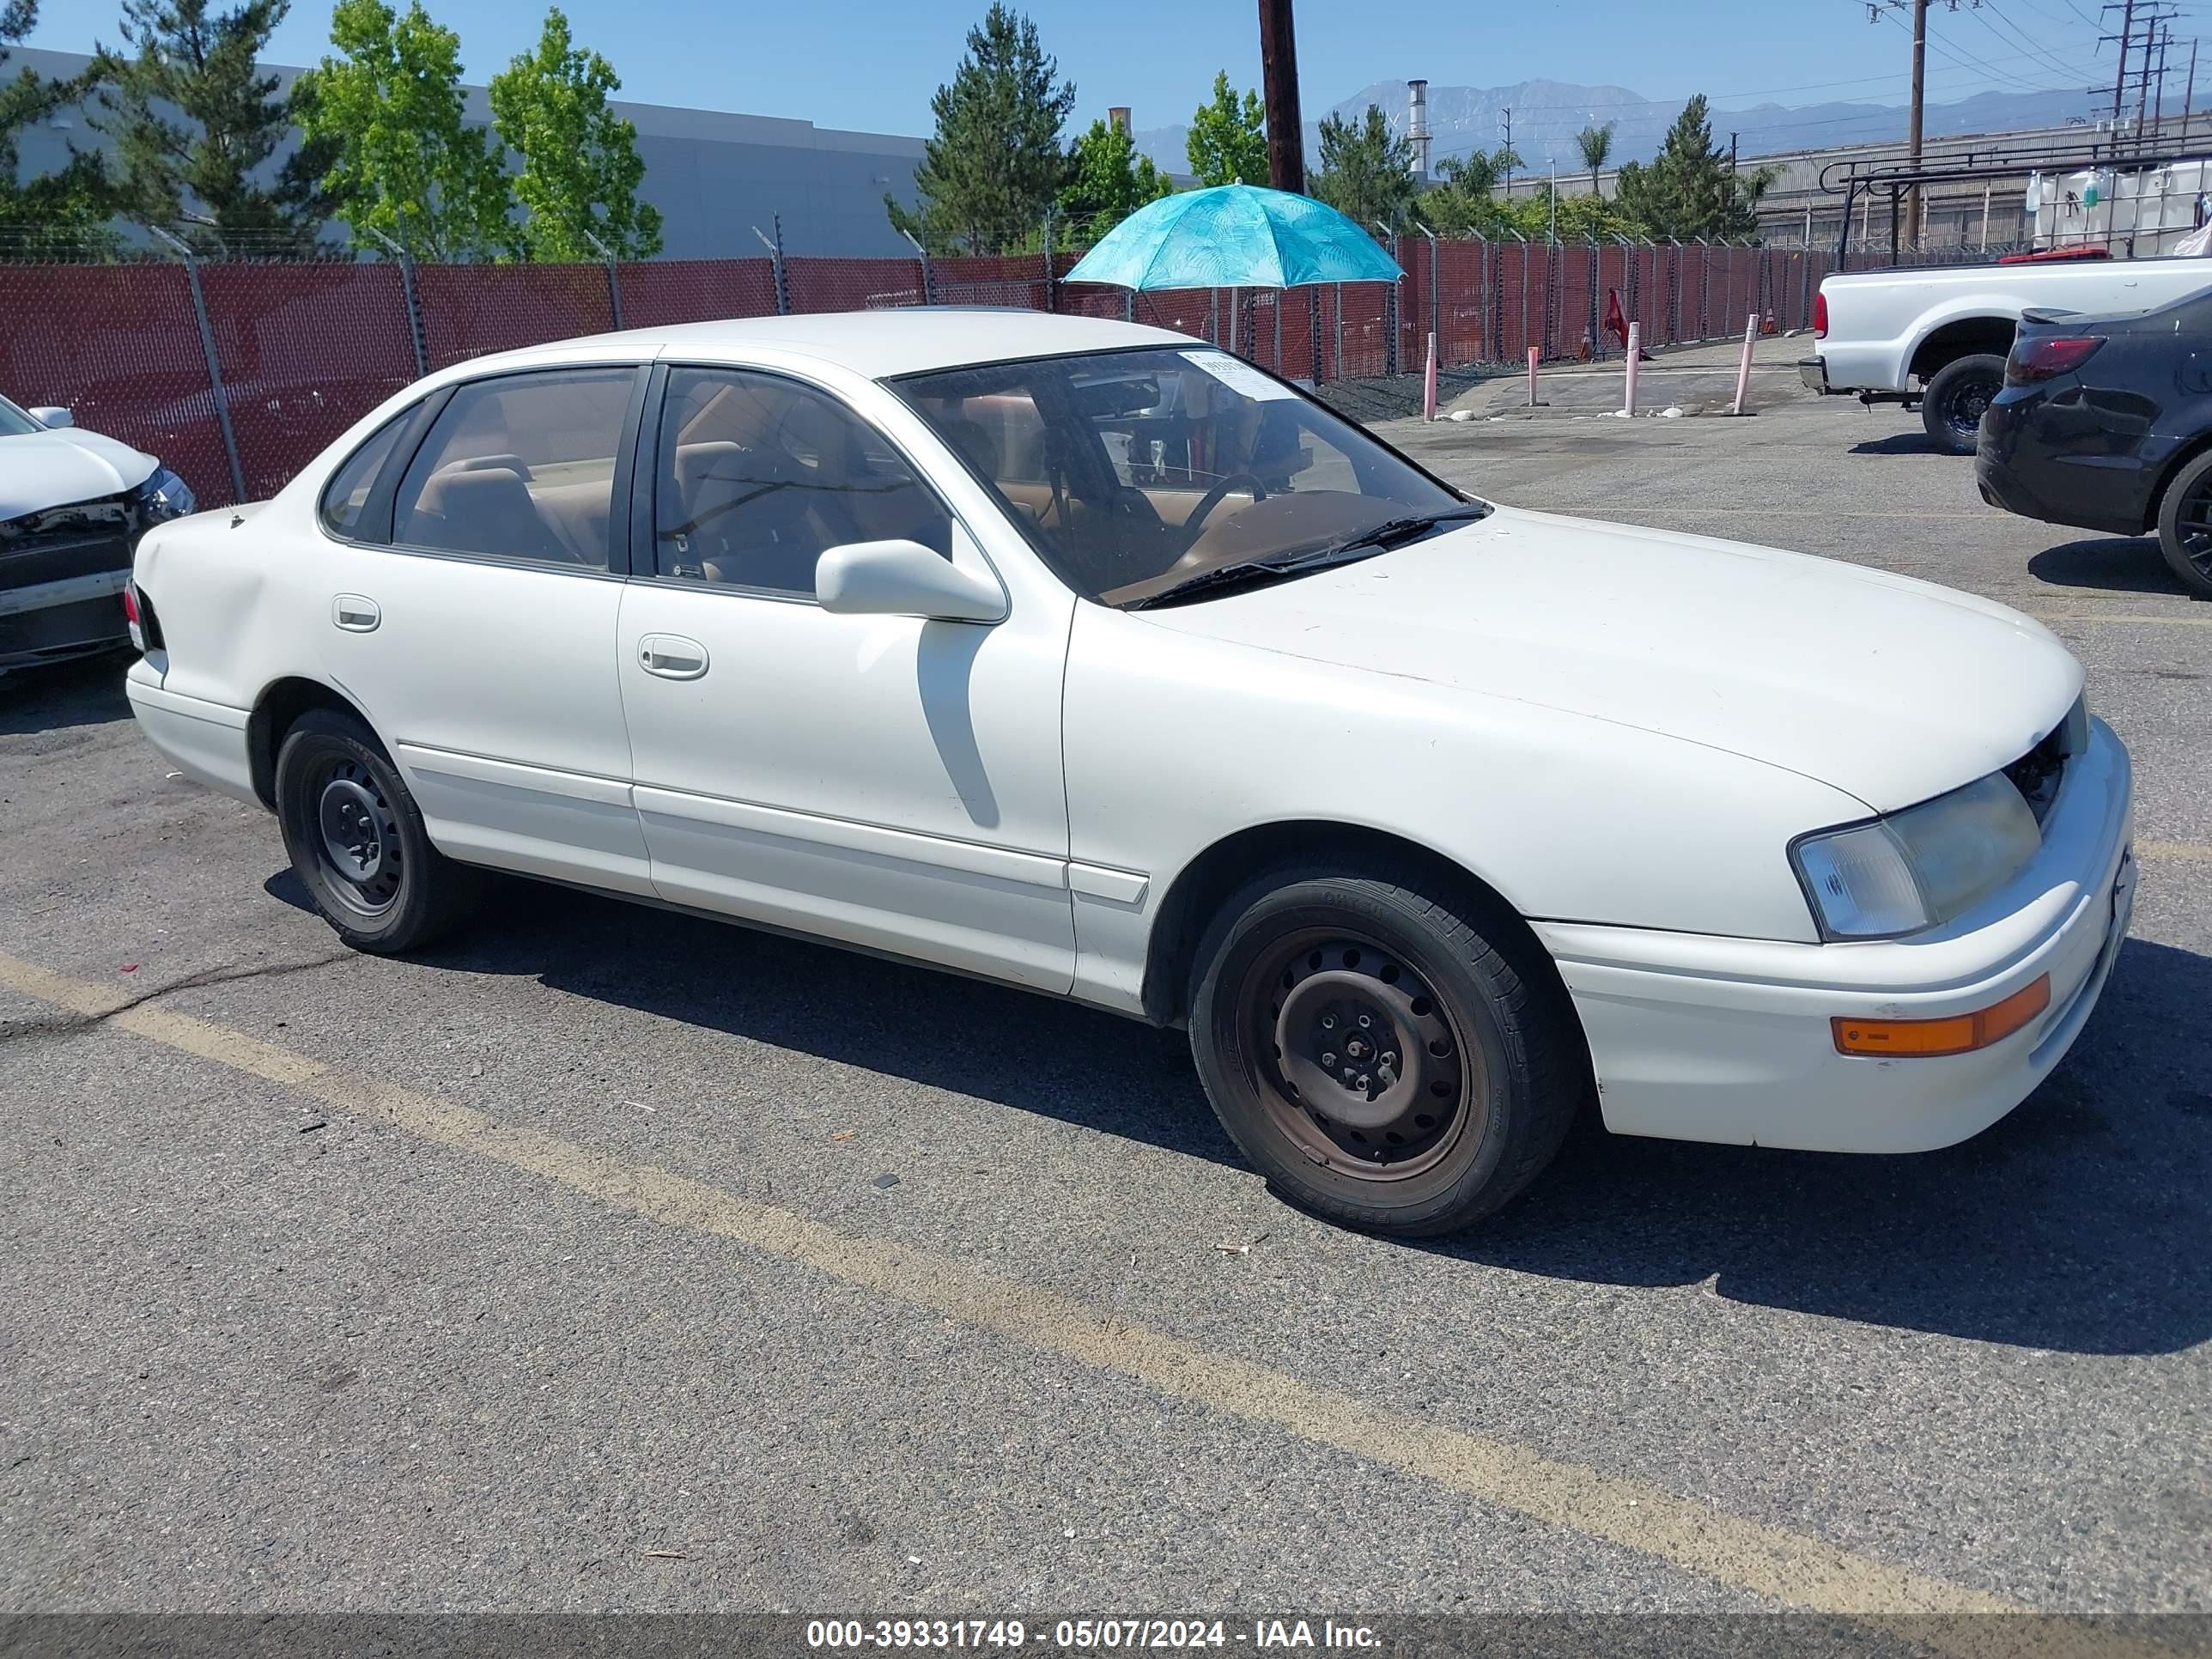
(1960, 1034)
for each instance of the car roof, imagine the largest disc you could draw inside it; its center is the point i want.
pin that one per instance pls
(880, 344)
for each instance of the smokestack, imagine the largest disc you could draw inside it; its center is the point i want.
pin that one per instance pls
(1417, 125)
(1117, 116)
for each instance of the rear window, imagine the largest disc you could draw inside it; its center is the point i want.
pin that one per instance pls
(347, 492)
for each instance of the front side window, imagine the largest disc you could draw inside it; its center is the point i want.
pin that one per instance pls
(520, 466)
(1132, 471)
(347, 494)
(760, 475)
(14, 423)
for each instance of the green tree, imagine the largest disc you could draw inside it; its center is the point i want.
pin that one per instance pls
(1227, 143)
(1366, 171)
(213, 165)
(63, 214)
(994, 166)
(1596, 146)
(388, 111)
(1108, 181)
(1461, 203)
(1688, 189)
(580, 168)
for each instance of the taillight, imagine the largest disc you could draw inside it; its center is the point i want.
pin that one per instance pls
(1820, 316)
(2044, 356)
(138, 615)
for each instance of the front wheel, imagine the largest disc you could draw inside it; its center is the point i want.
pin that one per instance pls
(1961, 390)
(1388, 1057)
(357, 838)
(2184, 526)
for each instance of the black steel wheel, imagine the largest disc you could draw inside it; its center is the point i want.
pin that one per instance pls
(1960, 392)
(357, 841)
(1388, 1055)
(2184, 526)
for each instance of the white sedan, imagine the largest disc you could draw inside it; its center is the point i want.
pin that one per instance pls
(1085, 658)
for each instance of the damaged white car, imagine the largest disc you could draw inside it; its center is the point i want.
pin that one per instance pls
(72, 506)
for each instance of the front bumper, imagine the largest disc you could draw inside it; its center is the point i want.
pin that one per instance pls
(1701, 1038)
(51, 621)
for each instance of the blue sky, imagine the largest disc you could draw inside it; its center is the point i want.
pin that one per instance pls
(872, 64)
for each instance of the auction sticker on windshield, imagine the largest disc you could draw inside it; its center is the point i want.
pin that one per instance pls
(1237, 376)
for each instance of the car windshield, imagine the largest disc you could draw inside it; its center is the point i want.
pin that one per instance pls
(14, 423)
(1131, 472)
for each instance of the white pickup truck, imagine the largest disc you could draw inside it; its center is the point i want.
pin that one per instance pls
(1938, 335)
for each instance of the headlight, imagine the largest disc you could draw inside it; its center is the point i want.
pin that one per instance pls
(167, 496)
(1920, 868)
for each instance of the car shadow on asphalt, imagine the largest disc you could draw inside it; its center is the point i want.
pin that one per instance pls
(1905, 443)
(2080, 1222)
(2113, 564)
(86, 692)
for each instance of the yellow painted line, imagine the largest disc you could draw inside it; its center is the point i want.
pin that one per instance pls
(2182, 852)
(1783, 1566)
(2121, 617)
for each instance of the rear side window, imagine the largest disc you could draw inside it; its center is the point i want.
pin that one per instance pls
(520, 466)
(348, 491)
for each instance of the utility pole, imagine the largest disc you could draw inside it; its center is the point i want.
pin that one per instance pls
(2189, 95)
(1506, 115)
(2158, 105)
(2126, 38)
(1919, 93)
(1278, 76)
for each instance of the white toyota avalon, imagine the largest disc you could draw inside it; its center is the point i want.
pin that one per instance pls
(1086, 658)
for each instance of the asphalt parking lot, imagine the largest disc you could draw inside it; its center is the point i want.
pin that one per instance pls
(608, 1260)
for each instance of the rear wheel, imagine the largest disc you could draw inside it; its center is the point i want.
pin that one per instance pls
(1951, 407)
(357, 839)
(2184, 526)
(1383, 1051)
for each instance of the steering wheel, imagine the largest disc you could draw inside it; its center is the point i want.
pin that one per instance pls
(1196, 522)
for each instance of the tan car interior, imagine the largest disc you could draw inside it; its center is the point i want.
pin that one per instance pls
(526, 470)
(764, 475)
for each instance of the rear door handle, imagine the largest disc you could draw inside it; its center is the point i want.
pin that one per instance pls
(356, 614)
(672, 656)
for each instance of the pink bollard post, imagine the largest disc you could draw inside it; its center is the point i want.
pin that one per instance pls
(1743, 369)
(1635, 351)
(1532, 377)
(1429, 382)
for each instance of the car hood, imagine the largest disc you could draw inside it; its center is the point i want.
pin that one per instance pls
(60, 465)
(1891, 690)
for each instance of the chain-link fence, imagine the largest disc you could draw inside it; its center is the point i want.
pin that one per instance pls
(237, 372)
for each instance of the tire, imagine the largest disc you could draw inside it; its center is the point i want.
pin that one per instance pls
(357, 839)
(2184, 526)
(1951, 408)
(1490, 1066)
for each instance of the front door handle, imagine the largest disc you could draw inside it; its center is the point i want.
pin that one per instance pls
(355, 613)
(672, 656)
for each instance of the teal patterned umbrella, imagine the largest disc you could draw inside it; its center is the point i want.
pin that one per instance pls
(1235, 236)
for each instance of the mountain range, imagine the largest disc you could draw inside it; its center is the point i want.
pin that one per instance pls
(1547, 115)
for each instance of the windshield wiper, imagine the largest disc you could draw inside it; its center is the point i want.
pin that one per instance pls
(1251, 573)
(1396, 532)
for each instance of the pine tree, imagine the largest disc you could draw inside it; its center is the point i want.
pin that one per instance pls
(388, 111)
(1688, 189)
(1108, 181)
(993, 167)
(213, 165)
(580, 168)
(1366, 171)
(61, 214)
(1227, 143)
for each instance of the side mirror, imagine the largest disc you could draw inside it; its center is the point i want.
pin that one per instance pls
(902, 578)
(52, 414)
